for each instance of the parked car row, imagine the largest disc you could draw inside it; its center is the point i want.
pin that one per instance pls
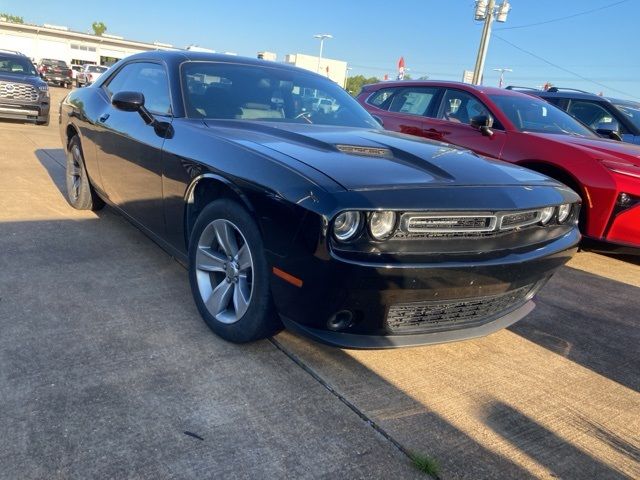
(316, 219)
(528, 131)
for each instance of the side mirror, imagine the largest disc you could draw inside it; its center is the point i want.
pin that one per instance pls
(132, 102)
(378, 119)
(609, 133)
(128, 101)
(483, 123)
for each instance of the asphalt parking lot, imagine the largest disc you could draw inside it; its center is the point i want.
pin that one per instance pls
(107, 371)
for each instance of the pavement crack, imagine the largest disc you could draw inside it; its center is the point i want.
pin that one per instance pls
(363, 416)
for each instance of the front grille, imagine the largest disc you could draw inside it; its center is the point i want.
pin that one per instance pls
(446, 223)
(445, 315)
(18, 91)
(463, 225)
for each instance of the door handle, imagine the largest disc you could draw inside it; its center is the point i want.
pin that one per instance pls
(432, 132)
(103, 118)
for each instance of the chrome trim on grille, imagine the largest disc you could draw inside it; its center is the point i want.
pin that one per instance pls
(446, 223)
(522, 223)
(18, 91)
(464, 224)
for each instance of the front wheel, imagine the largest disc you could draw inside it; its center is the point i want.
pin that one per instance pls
(229, 274)
(80, 193)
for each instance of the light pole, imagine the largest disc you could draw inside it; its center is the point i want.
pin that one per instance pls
(502, 70)
(486, 10)
(322, 37)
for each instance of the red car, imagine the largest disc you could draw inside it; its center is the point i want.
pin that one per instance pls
(526, 130)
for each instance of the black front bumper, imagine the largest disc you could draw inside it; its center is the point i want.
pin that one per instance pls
(367, 291)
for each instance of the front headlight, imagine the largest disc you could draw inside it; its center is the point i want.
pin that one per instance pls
(346, 225)
(382, 224)
(563, 212)
(547, 213)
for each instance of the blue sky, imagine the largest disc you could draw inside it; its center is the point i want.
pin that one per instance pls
(436, 37)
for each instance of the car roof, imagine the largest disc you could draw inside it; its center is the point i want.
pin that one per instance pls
(620, 101)
(443, 83)
(568, 93)
(179, 56)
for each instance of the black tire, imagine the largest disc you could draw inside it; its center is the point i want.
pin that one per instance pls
(80, 193)
(260, 319)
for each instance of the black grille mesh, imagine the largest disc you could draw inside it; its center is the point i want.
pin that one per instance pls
(443, 315)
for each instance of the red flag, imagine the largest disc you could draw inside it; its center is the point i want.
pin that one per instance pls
(386, 76)
(401, 68)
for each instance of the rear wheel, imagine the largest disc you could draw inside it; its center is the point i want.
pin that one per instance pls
(80, 193)
(229, 274)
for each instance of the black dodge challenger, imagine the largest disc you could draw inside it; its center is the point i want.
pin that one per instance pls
(290, 205)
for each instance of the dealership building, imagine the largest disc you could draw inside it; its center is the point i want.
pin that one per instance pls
(75, 48)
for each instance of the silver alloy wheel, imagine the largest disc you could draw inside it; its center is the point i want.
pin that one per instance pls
(74, 173)
(224, 271)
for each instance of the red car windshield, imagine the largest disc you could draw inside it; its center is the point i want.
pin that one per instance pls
(530, 114)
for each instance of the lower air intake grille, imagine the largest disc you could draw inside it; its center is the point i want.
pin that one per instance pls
(445, 315)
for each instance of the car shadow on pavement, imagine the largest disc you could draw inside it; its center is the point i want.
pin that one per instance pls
(54, 162)
(533, 439)
(591, 320)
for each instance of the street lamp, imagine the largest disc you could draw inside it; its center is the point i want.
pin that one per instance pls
(486, 10)
(322, 37)
(502, 70)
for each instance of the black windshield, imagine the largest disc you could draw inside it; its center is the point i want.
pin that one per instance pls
(247, 92)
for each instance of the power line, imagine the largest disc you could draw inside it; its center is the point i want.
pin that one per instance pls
(564, 69)
(564, 18)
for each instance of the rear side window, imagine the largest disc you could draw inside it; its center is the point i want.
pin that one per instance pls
(413, 101)
(148, 78)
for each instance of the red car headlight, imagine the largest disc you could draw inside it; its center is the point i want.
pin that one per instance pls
(623, 168)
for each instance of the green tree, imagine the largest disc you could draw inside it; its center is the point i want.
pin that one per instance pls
(98, 28)
(355, 83)
(11, 18)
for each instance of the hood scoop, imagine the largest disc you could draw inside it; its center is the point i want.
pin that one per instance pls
(365, 151)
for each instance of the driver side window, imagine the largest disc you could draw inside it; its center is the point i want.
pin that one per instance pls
(593, 115)
(460, 107)
(145, 77)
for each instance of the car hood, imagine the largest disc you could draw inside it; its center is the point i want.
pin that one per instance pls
(11, 78)
(599, 148)
(370, 159)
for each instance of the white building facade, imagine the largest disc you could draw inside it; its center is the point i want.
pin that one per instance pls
(75, 48)
(336, 70)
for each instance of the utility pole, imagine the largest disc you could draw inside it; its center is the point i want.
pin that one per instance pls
(486, 10)
(502, 70)
(322, 37)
